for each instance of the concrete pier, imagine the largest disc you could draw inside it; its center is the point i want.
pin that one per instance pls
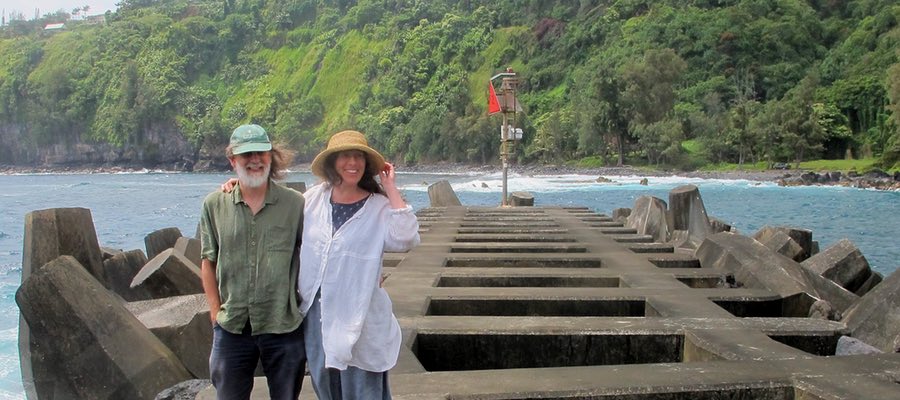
(564, 303)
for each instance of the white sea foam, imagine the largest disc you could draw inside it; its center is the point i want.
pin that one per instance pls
(489, 183)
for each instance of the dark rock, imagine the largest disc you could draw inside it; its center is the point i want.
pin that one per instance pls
(95, 348)
(836, 176)
(717, 225)
(160, 240)
(876, 173)
(848, 346)
(603, 179)
(644, 181)
(809, 178)
(822, 309)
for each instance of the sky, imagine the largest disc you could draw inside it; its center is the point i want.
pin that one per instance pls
(48, 6)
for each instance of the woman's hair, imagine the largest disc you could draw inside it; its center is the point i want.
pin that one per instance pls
(367, 182)
(281, 160)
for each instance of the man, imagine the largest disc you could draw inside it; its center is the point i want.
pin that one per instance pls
(250, 259)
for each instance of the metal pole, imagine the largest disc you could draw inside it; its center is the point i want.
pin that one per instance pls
(504, 134)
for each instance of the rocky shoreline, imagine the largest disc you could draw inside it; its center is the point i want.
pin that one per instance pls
(875, 179)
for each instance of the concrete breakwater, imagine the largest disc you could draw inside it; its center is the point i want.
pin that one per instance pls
(655, 302)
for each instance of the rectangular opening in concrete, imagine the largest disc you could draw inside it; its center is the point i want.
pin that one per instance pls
(518, 248)
(796, 306)
(521, 263)
(706, 393)
(537, 307)
(527, 281)
(705, 282)
(513, 239)
(824, 344)
(465, 352)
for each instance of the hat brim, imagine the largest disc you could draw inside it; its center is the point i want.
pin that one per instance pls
(372, 157)
(251, 147)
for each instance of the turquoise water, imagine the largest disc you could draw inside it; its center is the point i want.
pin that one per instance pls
(126, 207)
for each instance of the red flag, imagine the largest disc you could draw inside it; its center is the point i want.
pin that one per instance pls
(493, 103)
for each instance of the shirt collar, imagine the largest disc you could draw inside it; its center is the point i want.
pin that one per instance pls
(271, 195)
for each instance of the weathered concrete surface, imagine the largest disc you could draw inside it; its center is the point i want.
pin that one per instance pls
(782, 244)
(189, 248)
(803, 237)
(521, 199)
(688, 214)
(648, 217)
(168, 274)
(182, 323)
(844, 264)
(875, 318)
(755, 265)
(160, 240)
(120, 271)
(602, 323)
(49, 234)
(94, 348)
(441, 194)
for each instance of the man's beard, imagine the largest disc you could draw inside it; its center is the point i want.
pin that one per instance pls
(252, 181)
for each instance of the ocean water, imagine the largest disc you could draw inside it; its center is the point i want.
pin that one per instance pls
(126, 207)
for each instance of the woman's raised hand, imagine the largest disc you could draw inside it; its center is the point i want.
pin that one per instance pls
(229, 185)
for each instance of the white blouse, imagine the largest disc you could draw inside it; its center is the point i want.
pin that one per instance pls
(358, 325)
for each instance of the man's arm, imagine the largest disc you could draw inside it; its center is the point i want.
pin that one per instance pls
(210, 287)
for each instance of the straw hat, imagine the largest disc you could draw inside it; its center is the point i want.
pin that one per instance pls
(347, 140)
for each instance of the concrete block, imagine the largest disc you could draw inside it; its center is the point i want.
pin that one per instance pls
(803, 237)
(160, 240)
(49, 234)
(94, 347)
(621, 214)
(441, 194)
(521, 199)
(687, 210)
(874, 279)
(188, 247)
(782, 244)
(298, 186)
(875, 318)
(755, 265)
(120, 271)
(648, 217)
(182, 323)
(843, 263)
(717, 225)
(168, 274)
(61, 231)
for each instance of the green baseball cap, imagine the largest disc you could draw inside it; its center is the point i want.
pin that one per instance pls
(249, 138)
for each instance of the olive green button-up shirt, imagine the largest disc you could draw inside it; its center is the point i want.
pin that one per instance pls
(256, 257)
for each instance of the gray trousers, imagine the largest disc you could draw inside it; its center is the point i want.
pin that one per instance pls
(332, 384)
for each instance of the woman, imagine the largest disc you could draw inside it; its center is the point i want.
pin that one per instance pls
(349, 221)
(352, 336)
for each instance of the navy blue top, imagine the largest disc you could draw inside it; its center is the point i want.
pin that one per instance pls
(340, 213)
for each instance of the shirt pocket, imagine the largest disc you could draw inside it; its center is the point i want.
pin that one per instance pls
(280, 238)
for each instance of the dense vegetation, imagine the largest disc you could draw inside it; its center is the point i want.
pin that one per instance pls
(741, 81)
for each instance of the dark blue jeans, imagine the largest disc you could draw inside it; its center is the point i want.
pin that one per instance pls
(234, 357)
